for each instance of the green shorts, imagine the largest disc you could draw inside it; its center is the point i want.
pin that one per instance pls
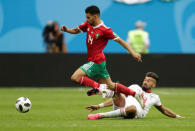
(95, 70)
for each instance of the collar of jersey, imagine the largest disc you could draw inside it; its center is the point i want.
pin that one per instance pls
(148, 91)
(98, 25)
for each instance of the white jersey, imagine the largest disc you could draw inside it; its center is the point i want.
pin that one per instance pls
(150, 99)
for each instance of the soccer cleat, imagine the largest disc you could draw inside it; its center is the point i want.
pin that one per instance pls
(93, 91)
(139, 96)
(106, 93)
(94, 116)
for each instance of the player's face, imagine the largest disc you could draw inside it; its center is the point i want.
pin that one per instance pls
(148, 83)
(90, 18)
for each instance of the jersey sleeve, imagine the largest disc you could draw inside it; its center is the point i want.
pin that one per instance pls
(83, 27)
(109, 34)
(158, 102)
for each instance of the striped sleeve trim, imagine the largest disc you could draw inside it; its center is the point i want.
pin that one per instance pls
(115, 38)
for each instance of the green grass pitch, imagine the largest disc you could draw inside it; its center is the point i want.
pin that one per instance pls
(63, 109)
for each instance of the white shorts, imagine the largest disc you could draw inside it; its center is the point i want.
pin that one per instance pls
(129, 101)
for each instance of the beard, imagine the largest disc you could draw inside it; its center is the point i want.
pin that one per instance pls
(145, 88)
(91, 23)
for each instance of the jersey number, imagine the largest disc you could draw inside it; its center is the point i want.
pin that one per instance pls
(144, 98)
(90, 39)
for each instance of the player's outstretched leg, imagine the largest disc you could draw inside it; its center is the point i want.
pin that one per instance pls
(119, 87)
(86, 81)
(123, 89)
(111, 114)
(128, 112)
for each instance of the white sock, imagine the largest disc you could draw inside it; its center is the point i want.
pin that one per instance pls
(115, 113)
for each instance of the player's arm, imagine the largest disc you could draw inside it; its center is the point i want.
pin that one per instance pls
(96, 107)
(130, 50)
(71, 31)
(167, 112)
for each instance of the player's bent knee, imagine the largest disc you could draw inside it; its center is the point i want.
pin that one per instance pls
(72, 78)
(75, 78)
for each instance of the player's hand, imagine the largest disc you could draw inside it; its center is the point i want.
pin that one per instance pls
(92, 107)
(137, 56)
(64, 28)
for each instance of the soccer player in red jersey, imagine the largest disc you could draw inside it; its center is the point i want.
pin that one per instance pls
(97, 37)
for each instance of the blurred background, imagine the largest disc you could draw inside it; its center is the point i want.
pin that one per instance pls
(25, 60)
(171, 24)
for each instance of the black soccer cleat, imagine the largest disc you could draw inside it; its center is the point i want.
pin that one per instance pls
(93, 91)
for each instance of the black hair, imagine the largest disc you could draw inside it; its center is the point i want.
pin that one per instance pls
(50, 27)
(94, 10)
(153, 75)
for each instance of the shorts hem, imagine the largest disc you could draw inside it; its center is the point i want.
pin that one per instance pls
(85, 72)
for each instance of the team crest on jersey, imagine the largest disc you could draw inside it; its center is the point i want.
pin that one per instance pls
(97, 35)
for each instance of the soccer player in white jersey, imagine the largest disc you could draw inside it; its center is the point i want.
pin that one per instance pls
(128, 106)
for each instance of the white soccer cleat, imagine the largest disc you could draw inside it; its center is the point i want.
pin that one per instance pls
(106, 93)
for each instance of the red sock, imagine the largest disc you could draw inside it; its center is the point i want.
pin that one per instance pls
(123, 89)
(85, 81)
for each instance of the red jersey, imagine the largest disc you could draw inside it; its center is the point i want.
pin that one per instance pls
(97, 39)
